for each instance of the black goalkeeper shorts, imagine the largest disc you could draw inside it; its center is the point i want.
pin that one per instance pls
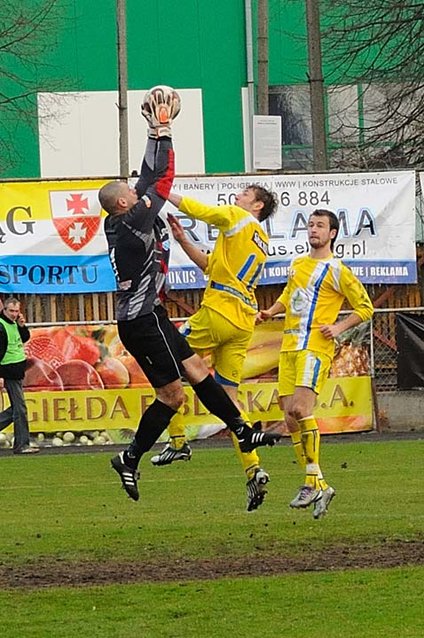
(156, 345)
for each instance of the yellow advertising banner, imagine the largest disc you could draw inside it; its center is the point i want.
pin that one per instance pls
(52, 238)
(81, 379)
(345, 405)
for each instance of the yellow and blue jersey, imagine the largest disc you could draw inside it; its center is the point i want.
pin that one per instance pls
(313, 297)
(236, 262)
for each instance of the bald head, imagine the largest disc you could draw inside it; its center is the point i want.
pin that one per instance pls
(110, 193)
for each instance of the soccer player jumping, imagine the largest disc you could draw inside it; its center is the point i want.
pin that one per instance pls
(224, 324)
(139, 252)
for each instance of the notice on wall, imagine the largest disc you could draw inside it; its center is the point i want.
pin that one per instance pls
(267, 151)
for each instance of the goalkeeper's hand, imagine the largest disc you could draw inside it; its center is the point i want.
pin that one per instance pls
(160, 107)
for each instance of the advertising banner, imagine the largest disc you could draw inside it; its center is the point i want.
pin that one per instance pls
(52, 239)
(80, 379)
(376, 213)
(52, 234)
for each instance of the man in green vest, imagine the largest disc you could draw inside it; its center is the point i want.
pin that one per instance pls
(13, 335)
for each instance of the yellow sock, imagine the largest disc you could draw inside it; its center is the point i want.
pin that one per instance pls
(296, 438)
(177, 442)
(176, 431)
(322, 482)
(249, 460)
(311, 444)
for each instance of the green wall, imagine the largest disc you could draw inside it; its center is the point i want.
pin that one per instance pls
(287, 42)
(189, 44)
(194, 44)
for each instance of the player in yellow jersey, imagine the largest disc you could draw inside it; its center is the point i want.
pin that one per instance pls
(316, 288)
(224, 324)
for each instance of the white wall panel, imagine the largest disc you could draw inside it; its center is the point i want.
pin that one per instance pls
(79, 133)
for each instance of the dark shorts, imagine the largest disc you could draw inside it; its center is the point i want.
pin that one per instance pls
(156, 345)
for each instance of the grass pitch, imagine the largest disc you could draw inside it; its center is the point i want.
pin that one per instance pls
(69, 509)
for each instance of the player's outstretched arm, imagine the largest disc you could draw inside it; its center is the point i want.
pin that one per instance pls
(175, 199)
(195, 254)
(160, 107)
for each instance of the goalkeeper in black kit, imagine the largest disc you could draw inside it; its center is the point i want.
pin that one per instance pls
(138, 243)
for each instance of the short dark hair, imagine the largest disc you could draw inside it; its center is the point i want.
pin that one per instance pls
(268, 198)
(332, 218)
(108, 196)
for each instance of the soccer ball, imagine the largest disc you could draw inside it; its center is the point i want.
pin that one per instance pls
(161, 106)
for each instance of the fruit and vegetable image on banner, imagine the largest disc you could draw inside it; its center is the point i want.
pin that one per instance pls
(80, 378)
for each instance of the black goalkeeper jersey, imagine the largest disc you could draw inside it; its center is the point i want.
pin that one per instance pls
(139, 240)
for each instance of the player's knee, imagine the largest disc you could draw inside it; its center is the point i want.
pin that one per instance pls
(296, 412)
(172, 396)
(292, 424)
(195, 369)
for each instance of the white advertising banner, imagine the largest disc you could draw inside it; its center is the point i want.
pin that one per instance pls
(53, 241)
(376, 213)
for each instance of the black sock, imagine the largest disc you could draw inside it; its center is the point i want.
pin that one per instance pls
(153, 422)
(217, 401)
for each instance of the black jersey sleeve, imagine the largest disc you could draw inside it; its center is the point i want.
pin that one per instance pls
(155, 182)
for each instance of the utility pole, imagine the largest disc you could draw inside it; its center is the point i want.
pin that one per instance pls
(121, 19)
(263, 61)
(316, 86)
(250, 81)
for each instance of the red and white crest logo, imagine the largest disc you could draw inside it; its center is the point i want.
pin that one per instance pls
(76, 216)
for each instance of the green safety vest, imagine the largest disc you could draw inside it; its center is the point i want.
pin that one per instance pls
(15, 352)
